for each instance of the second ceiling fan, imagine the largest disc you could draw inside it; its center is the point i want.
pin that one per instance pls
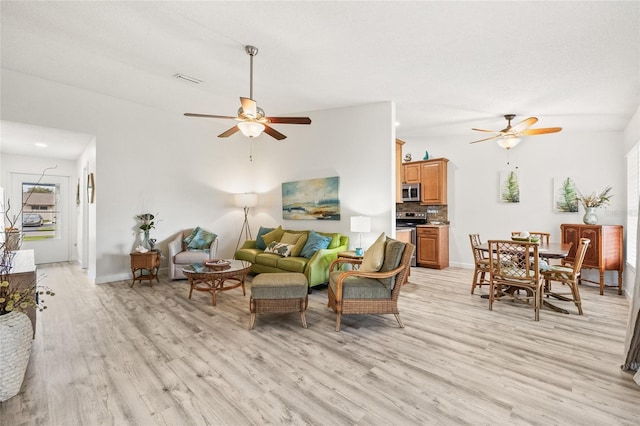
(510, 134)
(251, 118)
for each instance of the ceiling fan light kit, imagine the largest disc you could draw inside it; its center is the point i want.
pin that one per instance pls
(251, 129)
(510, 135)
(252, 119)
(508, 142)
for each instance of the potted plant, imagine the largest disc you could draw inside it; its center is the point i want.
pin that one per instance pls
(592, 202)
(147, 224)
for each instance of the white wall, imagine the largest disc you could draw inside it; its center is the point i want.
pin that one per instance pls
(593, 160)
(147, 160)
(631, 137)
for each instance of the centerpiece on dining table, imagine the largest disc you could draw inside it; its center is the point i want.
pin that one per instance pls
(524, 236)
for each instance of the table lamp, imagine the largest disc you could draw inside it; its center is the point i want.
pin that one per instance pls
(246, 201)
(360, 224)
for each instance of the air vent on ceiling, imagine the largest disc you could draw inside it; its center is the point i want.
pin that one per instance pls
(187, 78)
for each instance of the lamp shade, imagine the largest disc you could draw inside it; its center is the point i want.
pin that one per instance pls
(251, 128)
(508, 142)
(247, 199)
(360, 224)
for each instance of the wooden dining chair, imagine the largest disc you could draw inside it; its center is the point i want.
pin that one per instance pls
(514, 265)
(569, 275)
(481, 263)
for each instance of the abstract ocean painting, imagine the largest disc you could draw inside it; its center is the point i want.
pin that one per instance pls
(311, 199)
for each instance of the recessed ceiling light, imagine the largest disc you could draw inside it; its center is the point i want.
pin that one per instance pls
(187, 78)
(41, 145)
(397, 123)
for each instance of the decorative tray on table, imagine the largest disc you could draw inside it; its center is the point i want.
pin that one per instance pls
(217, 264)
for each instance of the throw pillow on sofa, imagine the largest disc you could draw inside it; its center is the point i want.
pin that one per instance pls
(314, 243)
(280, 249)
(373, 258)
(260, 244)
(298, 241)
(272, 236)
(202, 240)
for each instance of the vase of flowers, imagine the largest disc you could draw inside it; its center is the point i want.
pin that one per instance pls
(592, 202)
(146, 225)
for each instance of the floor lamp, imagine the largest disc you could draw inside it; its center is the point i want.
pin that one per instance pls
(360, 224)
(246, 201)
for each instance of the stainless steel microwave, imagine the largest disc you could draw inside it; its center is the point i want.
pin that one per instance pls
(411, 192)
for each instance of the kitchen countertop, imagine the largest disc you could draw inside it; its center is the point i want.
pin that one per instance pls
(433, 225)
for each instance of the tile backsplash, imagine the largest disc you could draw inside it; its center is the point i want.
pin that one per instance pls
(437, 213)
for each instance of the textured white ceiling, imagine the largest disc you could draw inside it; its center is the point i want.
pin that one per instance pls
(449, 66)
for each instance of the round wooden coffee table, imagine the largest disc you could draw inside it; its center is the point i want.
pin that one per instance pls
(204, 278)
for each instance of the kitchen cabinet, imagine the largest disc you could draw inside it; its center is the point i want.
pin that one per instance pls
(412, 172)
(433, 246)
(604, 252)
(433, 179)
(399, 170)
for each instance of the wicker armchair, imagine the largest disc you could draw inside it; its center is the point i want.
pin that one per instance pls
(357, 292)
(515, 265)
(481, 262)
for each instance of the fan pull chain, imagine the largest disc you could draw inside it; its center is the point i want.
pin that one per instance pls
(251, 150)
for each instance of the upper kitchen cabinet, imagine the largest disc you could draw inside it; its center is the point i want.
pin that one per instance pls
(433, 179)
(412, 172)
(399, 170)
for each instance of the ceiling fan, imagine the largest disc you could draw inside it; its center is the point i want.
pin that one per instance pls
(252, 119)
(510, 134)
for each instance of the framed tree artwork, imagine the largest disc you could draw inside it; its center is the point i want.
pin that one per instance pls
(565, 195)
(509, 187)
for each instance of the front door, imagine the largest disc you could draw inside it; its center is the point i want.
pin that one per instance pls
(44, 219)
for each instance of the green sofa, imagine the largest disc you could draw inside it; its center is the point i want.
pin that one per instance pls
(315, 268)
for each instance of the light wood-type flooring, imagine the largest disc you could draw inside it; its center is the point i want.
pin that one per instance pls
(113, 355)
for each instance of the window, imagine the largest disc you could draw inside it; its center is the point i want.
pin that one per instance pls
(633, 199)
(39, 211)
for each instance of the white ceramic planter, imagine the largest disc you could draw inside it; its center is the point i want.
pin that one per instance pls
(16, 336)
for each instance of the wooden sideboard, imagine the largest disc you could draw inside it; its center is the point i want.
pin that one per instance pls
(604, 252)
(23, 275)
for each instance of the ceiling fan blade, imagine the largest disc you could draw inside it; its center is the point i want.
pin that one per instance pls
(249, 106)
(483, 130)
(542, 131)
(289, 120)
(229, 132)
(190, 114)
(487, 139)
(524, 124)
(273, 132)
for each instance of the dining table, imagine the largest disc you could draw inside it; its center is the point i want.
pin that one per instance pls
(545, 251)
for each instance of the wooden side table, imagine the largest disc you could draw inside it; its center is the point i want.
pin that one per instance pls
(350, 254)
(144, 266)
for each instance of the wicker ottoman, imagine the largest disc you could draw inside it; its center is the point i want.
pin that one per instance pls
(279, 292)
